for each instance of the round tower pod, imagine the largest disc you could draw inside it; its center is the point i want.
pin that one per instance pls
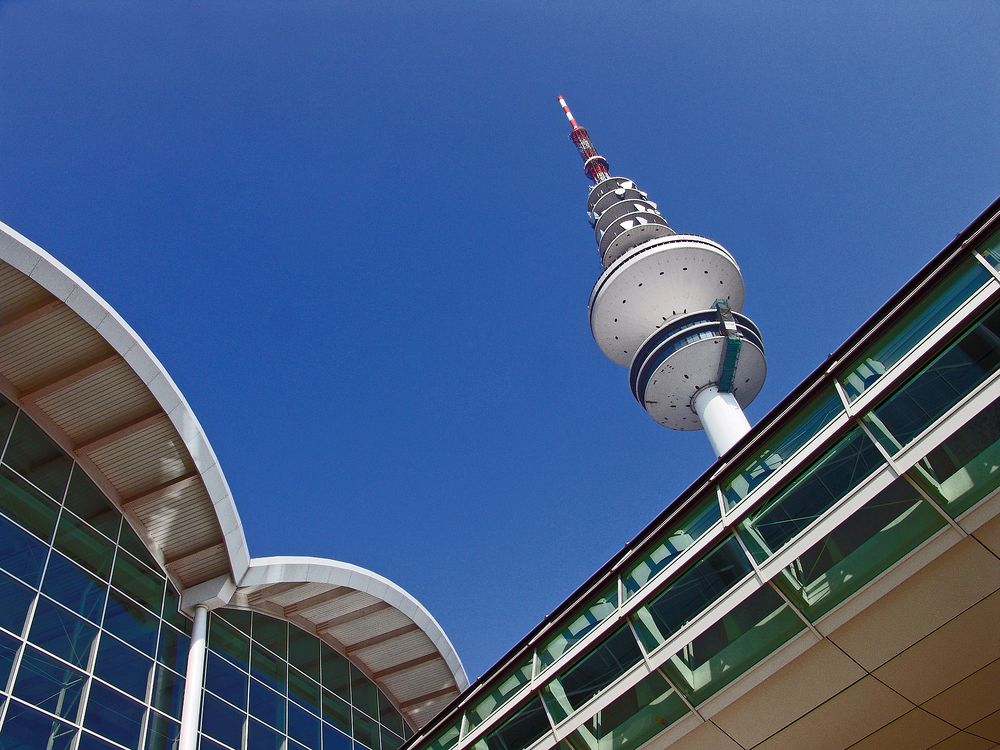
(653, 283)
(692, 353)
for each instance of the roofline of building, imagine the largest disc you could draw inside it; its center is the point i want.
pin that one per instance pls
(42, 268)
(881, 319)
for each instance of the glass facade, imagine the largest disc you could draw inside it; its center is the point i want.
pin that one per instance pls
(93, 646)
(703, 601)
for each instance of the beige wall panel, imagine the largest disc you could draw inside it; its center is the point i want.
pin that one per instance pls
(963, 741)
(958, 648)
(941, 590)
(797, 688)
(706, 737)
(974, 698)
(989, 534)
(988, 727)
(863, 708)
(916, 730)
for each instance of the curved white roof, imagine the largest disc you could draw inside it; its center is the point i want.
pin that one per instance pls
(82, 373)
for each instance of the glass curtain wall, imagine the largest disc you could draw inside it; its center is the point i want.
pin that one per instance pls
(93, 647)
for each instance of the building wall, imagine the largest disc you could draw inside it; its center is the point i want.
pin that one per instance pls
(93, 646)
(892, 451)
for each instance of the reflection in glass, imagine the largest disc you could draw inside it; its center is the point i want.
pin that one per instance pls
(811, 494)
(864, 545)
(632, 719)
(591, 674)
(584, 621)
(681, 535)
(511, 683)
(134, 624)
(62, 633)
(122, 666)
(112, 715)
(49, 684)
(73, 587)
(520, 731)
(35, 457)
(806, 424)
(16, 598)
(743, 637)
(27, 729)
(21, 554)
(688, 596)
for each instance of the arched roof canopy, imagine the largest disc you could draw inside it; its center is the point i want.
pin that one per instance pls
(81, 372)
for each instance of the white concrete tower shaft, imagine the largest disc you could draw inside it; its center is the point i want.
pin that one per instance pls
(667, 306)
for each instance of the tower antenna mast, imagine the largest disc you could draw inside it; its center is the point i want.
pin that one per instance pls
(668, 308)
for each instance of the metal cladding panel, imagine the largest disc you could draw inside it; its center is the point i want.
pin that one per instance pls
(420, 680)
(339, 607)
(48, 347)
(369, 627)
(290, 597)
(198, 568)
(18, 292)
(144, 459)
(179, 523)
(396, 651)
(99, 403)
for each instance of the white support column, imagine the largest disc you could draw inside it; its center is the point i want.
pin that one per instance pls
(721, 417)
(191, 710)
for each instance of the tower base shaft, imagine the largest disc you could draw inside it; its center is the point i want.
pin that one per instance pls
(721, 417)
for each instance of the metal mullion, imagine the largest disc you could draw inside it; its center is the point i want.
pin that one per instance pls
(633, 676)
(796, 610)
(925, 496)
(10, 432)
(11, 698)
(989, 266)
(680, 693)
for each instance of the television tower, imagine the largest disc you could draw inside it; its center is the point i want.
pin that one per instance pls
(668, 307)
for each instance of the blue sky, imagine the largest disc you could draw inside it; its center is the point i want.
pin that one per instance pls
(355, 235)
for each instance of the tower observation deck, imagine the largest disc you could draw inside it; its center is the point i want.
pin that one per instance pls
(667, 306)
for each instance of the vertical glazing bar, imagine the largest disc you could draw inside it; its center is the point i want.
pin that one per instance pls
(191, 711)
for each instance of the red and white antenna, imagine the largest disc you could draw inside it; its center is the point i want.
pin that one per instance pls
(595, 165)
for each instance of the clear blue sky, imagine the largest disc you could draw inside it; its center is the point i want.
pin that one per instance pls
(355, 235)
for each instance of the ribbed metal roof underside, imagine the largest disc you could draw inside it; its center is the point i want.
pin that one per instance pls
(70, 379)
(396, 652)
(101, 394)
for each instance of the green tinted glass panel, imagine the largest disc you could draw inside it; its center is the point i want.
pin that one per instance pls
(138, 581)
(134, 624)
(690, 593)
(390, 740)
(863, 546)
(7, 413)
(224, 639)
(681, 535)
(811, 494)
(745, 636)
(238, 618)
(522, 729)
(271, 633)
(22, 503)
(990, 250)
(337, 711)
(632, 719)
(590, 675)
(938, 387)
(268, 668)
(336, 672)
(171, 610)
(173, 650)
(445, 739)
(808, 422)
(162, 733)
(303, 651)
(73, 587)
(388, 715)
(130, 541)
(925, 316)
(583, 622)
(35, 457)
(82, 544)
(507, 687)
(965, 468)
(304, 690)
(363, 693)
(89, 503)
(168, 692)
(366, 730)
